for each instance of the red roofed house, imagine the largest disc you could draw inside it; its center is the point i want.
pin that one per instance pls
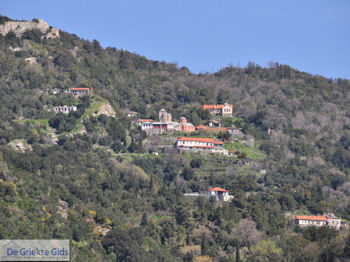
(79, 91)
(144, 123)
(221, 110)
(196, 144)
(322, 220)
(219, 194)
(304, 221)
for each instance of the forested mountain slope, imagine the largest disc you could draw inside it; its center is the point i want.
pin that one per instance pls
(87, 177)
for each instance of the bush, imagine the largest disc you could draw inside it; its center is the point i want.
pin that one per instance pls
(34, 35)
(196, 163)
(187, 173)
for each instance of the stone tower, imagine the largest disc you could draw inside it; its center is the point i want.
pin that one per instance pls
(163, 115)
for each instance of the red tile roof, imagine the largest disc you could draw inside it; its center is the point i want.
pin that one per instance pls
(201, 127)
(79, 88)
(214, 106)
(218, 189)
(314, 218)
(199, 139)
(218, 142)
(145, 120)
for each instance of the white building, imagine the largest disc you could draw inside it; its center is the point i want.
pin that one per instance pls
(196, 144)
(63, 109)
(219, 194)
(145, 125)
(329, 220)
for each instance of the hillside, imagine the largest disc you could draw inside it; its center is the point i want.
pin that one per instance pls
(90, 175)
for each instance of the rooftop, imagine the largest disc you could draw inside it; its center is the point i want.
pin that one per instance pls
(314, 218)
(79, 88)
(144, 120)
(218, 189)
(199, 139)
(215, 106)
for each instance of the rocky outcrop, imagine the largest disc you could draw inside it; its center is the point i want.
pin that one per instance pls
(31, 60)
(19, 27)
(62, 208)
(105, 109)
(20, 145)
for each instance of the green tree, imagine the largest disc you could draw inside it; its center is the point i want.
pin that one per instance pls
(187, 173)
(265, 251)
(144, 221)
(204, 244)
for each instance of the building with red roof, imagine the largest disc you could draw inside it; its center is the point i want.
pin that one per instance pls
(202, 144)
(221, 110)
(79, 91)
(329, 220)
(219, 194)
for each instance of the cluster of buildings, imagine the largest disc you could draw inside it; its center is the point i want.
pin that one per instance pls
(165, 124)
(76, 92)
(190, 144)
(329, 220)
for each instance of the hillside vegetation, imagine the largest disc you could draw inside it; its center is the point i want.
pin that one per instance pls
(88, 175)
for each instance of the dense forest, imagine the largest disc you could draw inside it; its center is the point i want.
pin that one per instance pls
(88, 176)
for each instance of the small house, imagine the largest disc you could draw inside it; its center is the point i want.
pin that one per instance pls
(79, 91)
(219, 194)
(63, 109)
(130, 113)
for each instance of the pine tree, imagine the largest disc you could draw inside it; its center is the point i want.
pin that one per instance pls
(144, 221)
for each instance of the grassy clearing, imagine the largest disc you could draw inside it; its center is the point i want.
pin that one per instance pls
(252, 152)
(96, 103)
(194, 248)
(43, 124)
